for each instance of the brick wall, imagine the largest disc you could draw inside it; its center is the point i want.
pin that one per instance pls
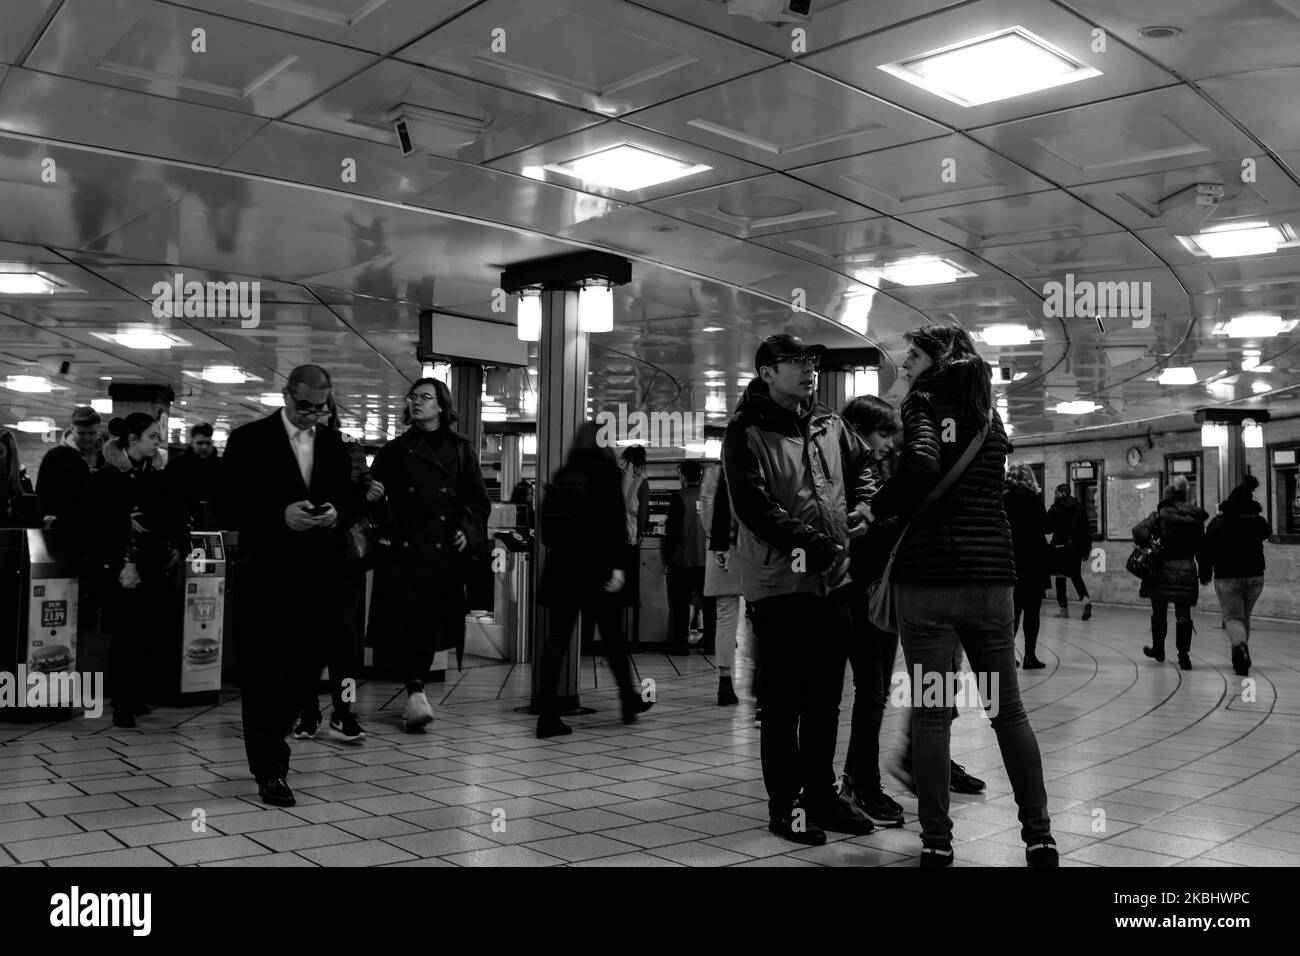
(1281, 597)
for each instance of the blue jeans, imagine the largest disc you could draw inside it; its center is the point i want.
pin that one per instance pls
(1237, 597)
(932, 622)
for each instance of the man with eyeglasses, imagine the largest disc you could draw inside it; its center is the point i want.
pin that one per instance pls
(799, 481)
(288, 493)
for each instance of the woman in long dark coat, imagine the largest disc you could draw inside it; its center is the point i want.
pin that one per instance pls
(434, 515)
(1030, 527)
(1180, 526)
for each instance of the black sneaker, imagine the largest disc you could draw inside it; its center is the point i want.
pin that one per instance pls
(345, 725)
(308, 725)
(962, 782)
(123, 719)
(936, 856)
(1087, 610)
(800, 829)
(877, 808)
(893, 805)
(1241, 660)
(833, 814)
(1042, 853)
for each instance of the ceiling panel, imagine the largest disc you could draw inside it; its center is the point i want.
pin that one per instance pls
(786, 116)
(755, 207)
(377, 25)
(605, 57)
(1054, 215)
(447, 115)
(938, 172)
(1263, 102)
(20, 23)
(855, 244)
(1122, 70)
(1166, 129)
(147, 46)
(1109, 251)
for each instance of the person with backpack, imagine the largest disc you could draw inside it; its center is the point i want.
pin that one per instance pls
(1071, 544)
(1233, 555)
(1179, 527)
(584, 529)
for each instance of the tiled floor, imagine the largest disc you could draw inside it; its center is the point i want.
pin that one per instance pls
(1146, 765)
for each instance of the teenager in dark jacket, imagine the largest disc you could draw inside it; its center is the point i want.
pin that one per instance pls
(584, 573)
(1029, 529)
(66, 468)
(135, 529)
(1071, 544)
(1233, 555)
(434, 514)
(196, 476)
(872, 651)
(954, 577)
(1180, 527)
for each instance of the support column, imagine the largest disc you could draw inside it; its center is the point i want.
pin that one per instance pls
(835, 388)
(561, 410)
(1232, 460)
(467, 396)
(512, 463)
(153, 400)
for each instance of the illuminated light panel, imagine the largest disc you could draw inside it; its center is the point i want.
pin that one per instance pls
(530, 317)
(1256, 325)
(596, 308)
(102, 405)
(142, 338)
(626, 168)
(271, 399)
(21, 280)
(1252, 435)
(1260, 387)
(1236, 239)
(32, 384)
(36, 426)
(1183, 375)
(1076, 408)
(1006, 335)
(918, 270)
(224, 375)
(993, 67)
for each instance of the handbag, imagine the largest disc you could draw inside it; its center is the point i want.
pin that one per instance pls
(880, 595)
(1144, 562)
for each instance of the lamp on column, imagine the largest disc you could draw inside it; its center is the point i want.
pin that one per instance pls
(596, 306)
(1252, 434)
(530, 315)
(1213, 434)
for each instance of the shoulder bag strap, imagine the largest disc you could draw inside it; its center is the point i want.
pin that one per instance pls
(946, 482)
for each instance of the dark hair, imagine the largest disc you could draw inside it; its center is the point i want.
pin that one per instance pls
(869, 414)
(446, 409)
(202, 428)
(133, 426)
(9, 482)
(1021, 475)
(1062, 489)
(1176, 490)
(586, 445)
(313, 376)
(951, 347)
(519, 496)
(1250, 483)
(691, 470)
(84, 416)
(635, 456)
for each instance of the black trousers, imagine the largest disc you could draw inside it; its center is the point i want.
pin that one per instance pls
(1029, 603)
(871, 655)
(606, 611)
(343, 655)
(684, 583)
(803, 644)
(1076, 578)
(134, 618)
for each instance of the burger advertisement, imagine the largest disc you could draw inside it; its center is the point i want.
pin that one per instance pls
(201, 647)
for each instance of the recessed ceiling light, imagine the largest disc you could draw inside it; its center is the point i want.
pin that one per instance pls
(627, 168)
(1236, 239)
(996, 66)
(1260, 386)
(271, 399)
(1160, 33)
(36, 426)
(23, 280)
(142, 338)
(713, 328)
(1254, 326)
(102, 405)
(1180, 375)
(32, 384)
(1005, 335)
(918, 270)
(224, 375)
(1081, 407)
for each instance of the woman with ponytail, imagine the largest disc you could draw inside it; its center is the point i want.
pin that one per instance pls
(134, 528)
(953, 578)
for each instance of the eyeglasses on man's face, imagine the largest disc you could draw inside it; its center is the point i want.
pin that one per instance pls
(803, 362)
(307, 408)
(420, 398)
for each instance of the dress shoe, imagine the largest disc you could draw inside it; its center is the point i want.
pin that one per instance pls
(276, 793)
(1032, 663)
(1156, 655)
(552, 726)
(633, 707)
(799, 829)
(1241, 660)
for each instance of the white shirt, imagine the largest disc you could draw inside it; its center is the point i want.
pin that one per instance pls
(302, 441)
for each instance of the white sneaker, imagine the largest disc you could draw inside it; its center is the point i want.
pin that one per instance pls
(418, 713)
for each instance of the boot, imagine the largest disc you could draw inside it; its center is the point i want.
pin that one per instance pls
(1159, 628)
(1183, 641)
(726, 692)
(1087, 609)
(1031, 661)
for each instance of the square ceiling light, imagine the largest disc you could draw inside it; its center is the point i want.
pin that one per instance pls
(1254, 326)
(626, 168)
(142, 338)
(18, 279)
(1180, 375)
(918, 270)
(31, 384)
(996, 66)
(1237, 239)
(1082, 407)
(1000, 336)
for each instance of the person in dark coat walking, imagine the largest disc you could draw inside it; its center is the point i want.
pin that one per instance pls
(288, 495)
(1071, 544)
(954, 578)
(134, 529)
(434, 515)
(1030, 527)
(584, 530)
(196, 476)
(1179, 525)
(1233, 555)
(66, 468)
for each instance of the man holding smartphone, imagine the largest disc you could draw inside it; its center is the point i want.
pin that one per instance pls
(287, 494)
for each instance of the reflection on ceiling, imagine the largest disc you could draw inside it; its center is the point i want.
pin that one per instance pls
(1113, 210)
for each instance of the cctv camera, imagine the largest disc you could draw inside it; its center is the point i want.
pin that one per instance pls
(1186, 210)
(772, 11)
(404, 136)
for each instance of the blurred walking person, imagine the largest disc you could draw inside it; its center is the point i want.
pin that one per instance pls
(1071, 544)
(1179, 527)
(1030, 527)
(1233, 555)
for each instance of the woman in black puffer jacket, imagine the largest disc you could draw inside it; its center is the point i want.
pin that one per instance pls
(1180, 527)
(1233, 556)
(953, 580)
